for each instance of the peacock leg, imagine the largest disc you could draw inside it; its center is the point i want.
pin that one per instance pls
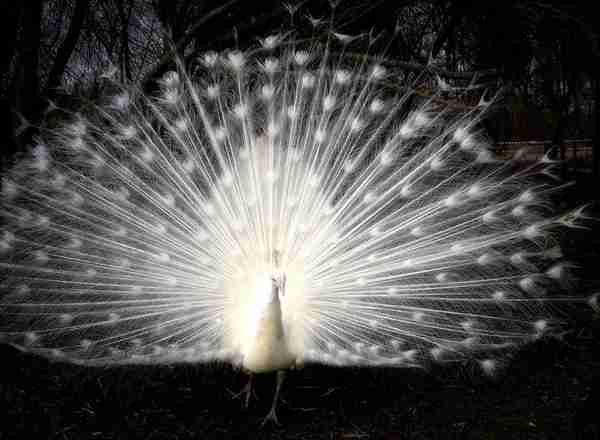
(247, 391)
(272, 415)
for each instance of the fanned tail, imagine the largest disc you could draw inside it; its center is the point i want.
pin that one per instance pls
(144, 230)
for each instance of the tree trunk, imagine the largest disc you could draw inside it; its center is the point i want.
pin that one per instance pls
(9, 21)
(67, 47)
(596, 141)
(26, 85)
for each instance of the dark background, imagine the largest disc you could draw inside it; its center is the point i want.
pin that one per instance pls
(545, 55)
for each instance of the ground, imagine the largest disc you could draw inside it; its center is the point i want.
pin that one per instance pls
(551, 390)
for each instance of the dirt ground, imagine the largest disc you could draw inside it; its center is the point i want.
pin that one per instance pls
(551, 390)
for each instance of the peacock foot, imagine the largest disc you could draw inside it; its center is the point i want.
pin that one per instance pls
(270, 417)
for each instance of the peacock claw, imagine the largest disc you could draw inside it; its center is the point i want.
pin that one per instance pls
(270, 417)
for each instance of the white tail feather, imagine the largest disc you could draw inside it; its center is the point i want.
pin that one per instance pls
(144, 231)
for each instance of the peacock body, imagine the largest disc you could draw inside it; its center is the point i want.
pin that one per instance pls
(294, 203)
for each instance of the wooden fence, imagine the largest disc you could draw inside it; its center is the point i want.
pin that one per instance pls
(576, 153)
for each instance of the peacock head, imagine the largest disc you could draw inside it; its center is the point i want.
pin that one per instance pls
(268, 282)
